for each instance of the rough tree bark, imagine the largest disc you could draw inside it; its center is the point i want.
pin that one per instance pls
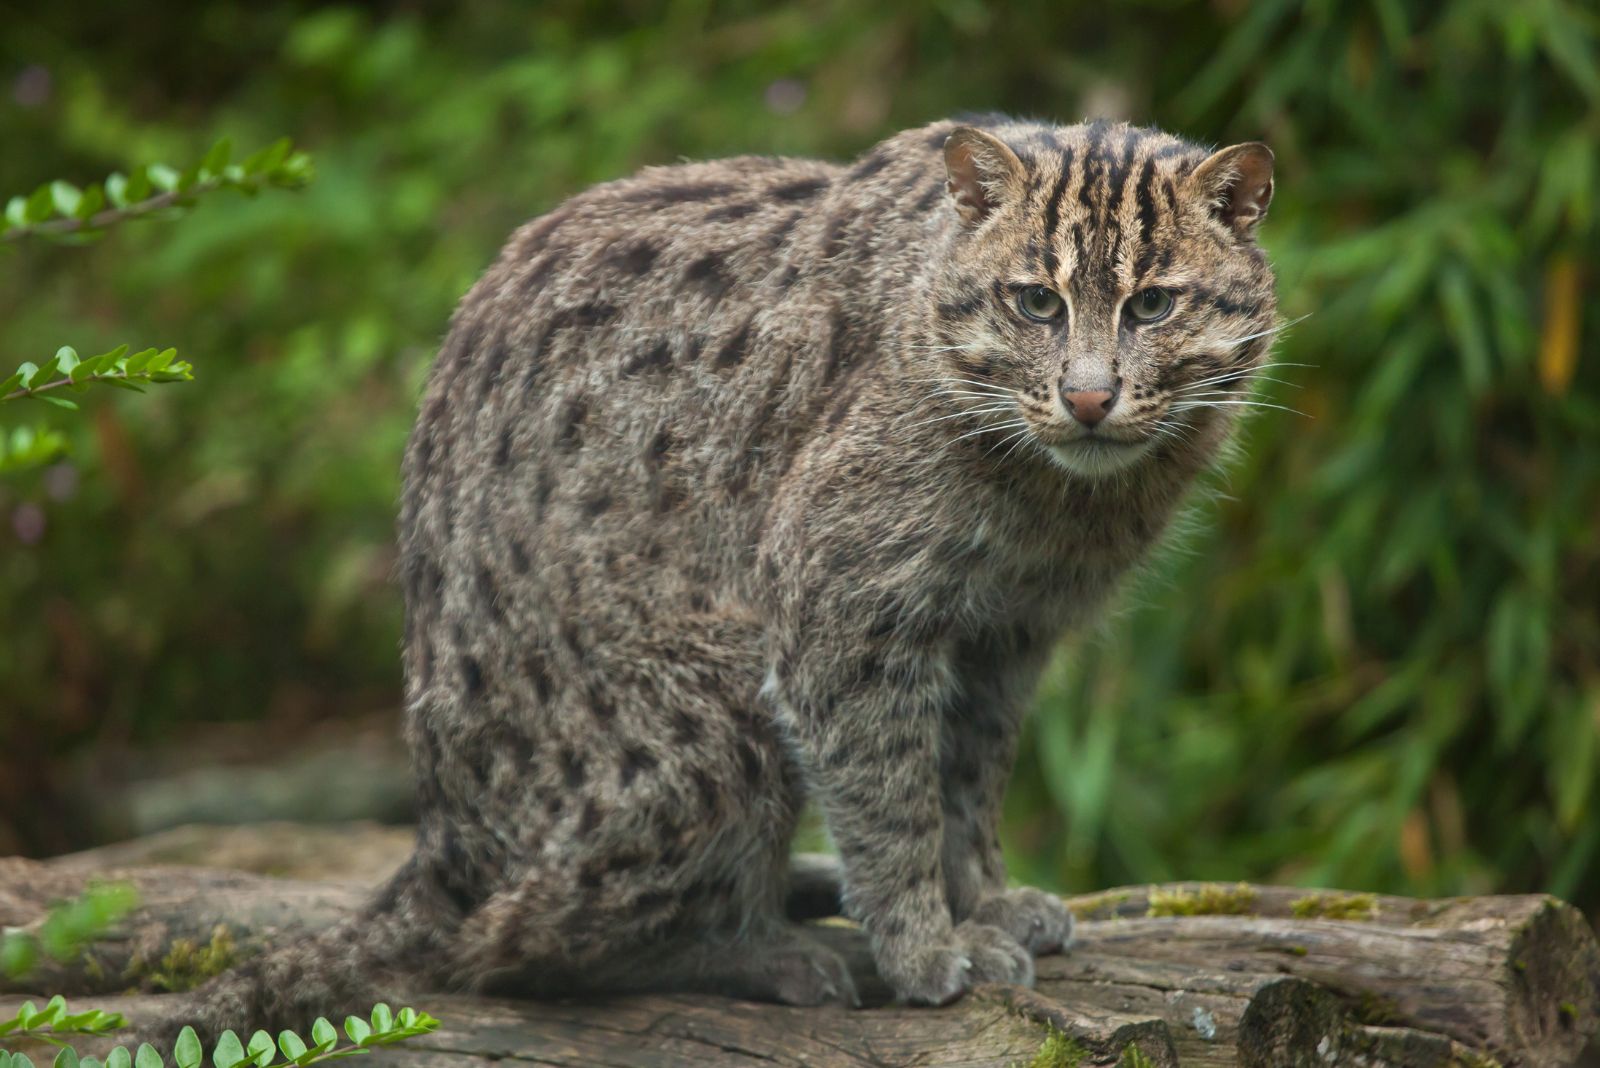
(1186, 974)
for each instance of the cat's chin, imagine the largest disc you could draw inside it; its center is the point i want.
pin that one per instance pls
(1098, 457)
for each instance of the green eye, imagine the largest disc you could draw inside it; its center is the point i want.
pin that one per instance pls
(1037, 302)
(1149, 305)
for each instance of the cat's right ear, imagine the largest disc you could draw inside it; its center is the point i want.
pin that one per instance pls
(984, 173)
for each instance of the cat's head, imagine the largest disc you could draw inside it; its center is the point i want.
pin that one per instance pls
(1105, 292)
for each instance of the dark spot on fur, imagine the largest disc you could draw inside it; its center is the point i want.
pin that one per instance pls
(657, 356)
(729, 212)
(502, 452)
(534, 277)
(709, 272)
(597, 503)
(734, 350)
(961, 309)
(634, 760)
(686, 729)
(572, 769)
(519, 557)
(594, 313)
(488, 592)
(678, 193)
(706, 787)
(589, 819)
(869, 165)
(779, 234)
(660, 445)
(635, 257)
(472, 676)
(572, 419)
(751, 762)
(803, 189)
(787, 277)
(931, 196)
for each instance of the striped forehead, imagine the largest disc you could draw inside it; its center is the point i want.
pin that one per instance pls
(1103, 194)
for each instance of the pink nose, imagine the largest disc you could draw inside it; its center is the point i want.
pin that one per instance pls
(1089, 406)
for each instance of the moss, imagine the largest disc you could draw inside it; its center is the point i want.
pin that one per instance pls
(1335, 907)
(1091, 907)
(1133, 1057)
(1058, 1051)
(1298, 951)
(187, 964)
(1211, 899)
(1474, 1060)
(1375, 1010)
(1570, 1011)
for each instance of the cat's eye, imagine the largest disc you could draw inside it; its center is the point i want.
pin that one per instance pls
(1149, 305)
(1037, 302)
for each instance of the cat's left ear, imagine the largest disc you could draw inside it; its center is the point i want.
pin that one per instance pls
(1237, 183)
(984, 173)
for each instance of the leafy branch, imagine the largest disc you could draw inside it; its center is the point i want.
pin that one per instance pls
(62, 211)
(66, 928)
(384, 1029)
(114, 368)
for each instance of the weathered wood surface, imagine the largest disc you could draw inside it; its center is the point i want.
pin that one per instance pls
(1474, 981)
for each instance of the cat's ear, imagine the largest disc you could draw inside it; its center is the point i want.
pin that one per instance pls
(984, 173)
(1237, 183)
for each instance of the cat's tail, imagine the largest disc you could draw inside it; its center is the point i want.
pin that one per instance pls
(382, 953)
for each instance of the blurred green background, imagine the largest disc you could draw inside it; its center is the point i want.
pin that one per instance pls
(1371, 660)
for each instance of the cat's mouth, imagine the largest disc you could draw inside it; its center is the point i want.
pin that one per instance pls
(1095, 455)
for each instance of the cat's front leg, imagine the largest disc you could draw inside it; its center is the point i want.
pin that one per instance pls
(977, 753)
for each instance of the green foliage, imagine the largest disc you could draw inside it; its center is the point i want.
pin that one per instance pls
(1368, 664)
(54, 1021)
(66, 928)
(117, 368)
(1208, 900)
(62, 211)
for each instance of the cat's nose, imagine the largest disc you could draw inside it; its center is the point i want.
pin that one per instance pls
(1089, 406)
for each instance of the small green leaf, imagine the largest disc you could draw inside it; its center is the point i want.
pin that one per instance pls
(21, 1060)
(262, 1049)
(291, 1044)
(323, 1036)
(66, 1057)
(139, 186)
(117, 189)
(147, 1057)
(358, 1029)
(162, 177)
(92, 201)
(217, 158)
(64, 196)
(228, 1052)
(41, 204)
(187, 1051)
(382, 1018)
(119, 1058)
(17, 211)
(59, 402)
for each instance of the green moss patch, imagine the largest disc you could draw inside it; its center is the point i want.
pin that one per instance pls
(187, 964)
(1210, 899)
(1335, 907)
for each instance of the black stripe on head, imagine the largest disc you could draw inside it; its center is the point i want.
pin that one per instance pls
(1144, 196)
(1052, 216)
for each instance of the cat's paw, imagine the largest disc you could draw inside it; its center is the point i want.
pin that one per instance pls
(938, 974)
(809, 973)
(1038, 920)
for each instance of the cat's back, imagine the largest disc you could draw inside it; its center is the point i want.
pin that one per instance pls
(640, 364)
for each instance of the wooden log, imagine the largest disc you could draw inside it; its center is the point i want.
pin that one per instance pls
(1265, 979)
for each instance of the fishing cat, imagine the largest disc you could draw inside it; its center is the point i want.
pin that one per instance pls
(743, 482)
